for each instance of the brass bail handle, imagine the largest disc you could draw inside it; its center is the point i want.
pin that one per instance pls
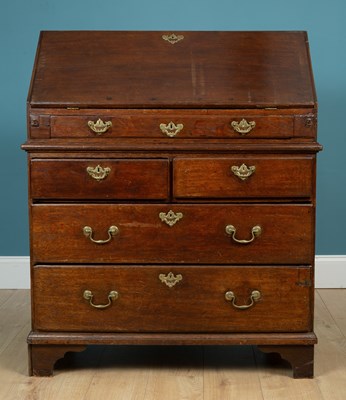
(112, 231)
(243, 127)
(255, 296)
(112, 295)
(99, 126)
(243, 172)
(255, 232)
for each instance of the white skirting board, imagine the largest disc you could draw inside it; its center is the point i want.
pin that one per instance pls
(330, 272)
(14, 272)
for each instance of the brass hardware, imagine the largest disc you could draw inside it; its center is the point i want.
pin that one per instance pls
(112, 295)
(243, 172)
(173, 38)
(99, 126)
(112, 231)
(170, 280)
(255, 231)
(72, 108)
(171, 129)
(98, 172)
(170, 218)
(243, 127)
(255, 296)
(308, 122)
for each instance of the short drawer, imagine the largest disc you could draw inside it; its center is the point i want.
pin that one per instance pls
(100, 179)
(175, 233)
(244, 177)
(174, 125)
(172, 299)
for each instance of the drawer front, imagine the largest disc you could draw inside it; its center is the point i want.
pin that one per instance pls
(244, 177)
(99, 179)
(176, 233)
(175, 125)
(172, 299)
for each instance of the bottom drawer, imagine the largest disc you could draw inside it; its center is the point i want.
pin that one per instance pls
(172, 299)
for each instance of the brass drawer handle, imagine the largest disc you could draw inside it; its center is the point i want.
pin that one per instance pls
(112, 295)
(243, 127)
(171, 129)
(170, 280)
(112, 231)
(99, 126)
(170, 218)
(255, 231)
(98, 173)
(243, 172)
(255, 296)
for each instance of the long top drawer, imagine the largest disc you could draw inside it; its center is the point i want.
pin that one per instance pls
(172, 124)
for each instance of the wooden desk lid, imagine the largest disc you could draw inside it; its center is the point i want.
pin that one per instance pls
(113, 69)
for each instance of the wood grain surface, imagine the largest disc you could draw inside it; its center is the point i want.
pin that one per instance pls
(127, 179)
(198, 237)
(194, 304)
(133, 69)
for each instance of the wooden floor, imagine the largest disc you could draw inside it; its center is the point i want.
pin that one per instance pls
(169, 373)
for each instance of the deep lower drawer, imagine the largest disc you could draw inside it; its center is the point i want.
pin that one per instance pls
(172, 299)
(161, 233)
(244, 177)
(99, 179)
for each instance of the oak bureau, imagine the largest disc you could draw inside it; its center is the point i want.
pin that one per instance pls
(172, 192)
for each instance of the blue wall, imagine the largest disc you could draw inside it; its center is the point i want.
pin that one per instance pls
(21, 21)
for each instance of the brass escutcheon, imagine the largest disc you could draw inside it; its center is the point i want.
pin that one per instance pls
(99, 126)
(170, 218)
(171, 129)
(255, 296)
(98, 173)
(170, 280)
(255, 231)
(112, 295)
(243, 172)
(112, 231)
(173, 38)
(243, 127)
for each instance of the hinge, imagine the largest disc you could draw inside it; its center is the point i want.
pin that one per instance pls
(305, 283)
(72, 108)
(271, 108)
